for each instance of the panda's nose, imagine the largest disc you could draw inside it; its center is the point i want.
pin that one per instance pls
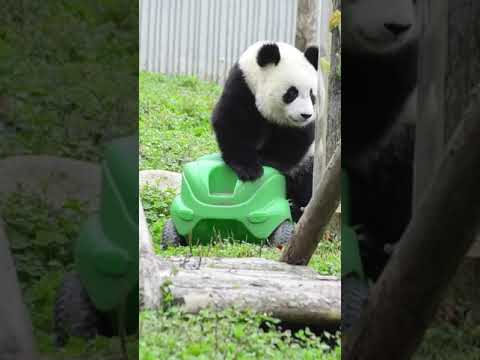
(306, 116)
(397, 29)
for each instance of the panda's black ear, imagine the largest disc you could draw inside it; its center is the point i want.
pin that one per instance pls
(268, 54)
(311, 53)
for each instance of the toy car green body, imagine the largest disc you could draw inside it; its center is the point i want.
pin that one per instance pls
(214, 202)
(104, 283)
(354, 282)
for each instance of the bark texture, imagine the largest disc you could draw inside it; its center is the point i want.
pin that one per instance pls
(294, 294)
(334, 134)
(317, 215)
(306, 31)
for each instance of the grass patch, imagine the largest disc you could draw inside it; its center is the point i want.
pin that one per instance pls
(230, 334)
(444, 341)
(76, 69)
(175, 120)
(325, 260)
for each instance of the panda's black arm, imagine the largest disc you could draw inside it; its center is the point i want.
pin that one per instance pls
(238, 147)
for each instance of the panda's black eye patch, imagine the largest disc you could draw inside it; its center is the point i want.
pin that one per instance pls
(314, 99)
(290, 95)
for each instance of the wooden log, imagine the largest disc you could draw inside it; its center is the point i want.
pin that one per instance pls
(294, 294)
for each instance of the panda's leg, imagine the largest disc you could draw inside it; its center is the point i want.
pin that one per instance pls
(299, 187)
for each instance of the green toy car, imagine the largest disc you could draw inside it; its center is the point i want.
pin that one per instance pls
(214, 203)
(94, 298)
(354, 282)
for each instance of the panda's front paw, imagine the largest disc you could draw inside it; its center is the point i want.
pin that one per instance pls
(248, 173)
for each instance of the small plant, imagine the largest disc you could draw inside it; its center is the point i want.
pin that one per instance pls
(167, 296)
(41, 235)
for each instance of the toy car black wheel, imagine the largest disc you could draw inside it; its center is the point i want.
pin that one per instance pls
(282, 234)
(354, 298)
(170, 236)
(74, 313)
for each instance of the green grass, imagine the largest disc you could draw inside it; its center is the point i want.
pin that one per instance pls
(445, 341)
(175, 120)
(229, 334)
(76, 69)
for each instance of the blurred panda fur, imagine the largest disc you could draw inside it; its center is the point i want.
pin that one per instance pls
(379, 77)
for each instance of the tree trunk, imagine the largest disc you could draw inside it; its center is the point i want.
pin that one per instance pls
(405, 298)
(449, 70)
(328, 127)
(430, 137)
(306, 32)
(326, 182)
(317, 215)
(16, 333)
(296, 295)
(334, 91)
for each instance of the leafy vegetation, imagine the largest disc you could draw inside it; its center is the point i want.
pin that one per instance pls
(229, 334)
(175, 120)
(41, 236)
(447, 341)
(68, 75)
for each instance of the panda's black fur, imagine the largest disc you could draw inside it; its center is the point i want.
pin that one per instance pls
(248, 141)
(378, 148)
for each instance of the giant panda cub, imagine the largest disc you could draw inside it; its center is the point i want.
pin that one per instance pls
(266, 116)
(379, 75)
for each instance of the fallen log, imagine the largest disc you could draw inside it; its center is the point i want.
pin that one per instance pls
(293, 294)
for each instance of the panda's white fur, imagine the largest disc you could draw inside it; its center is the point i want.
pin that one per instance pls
(269, 83)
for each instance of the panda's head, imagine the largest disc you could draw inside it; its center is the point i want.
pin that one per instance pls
(284, 81)
(378, 27)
